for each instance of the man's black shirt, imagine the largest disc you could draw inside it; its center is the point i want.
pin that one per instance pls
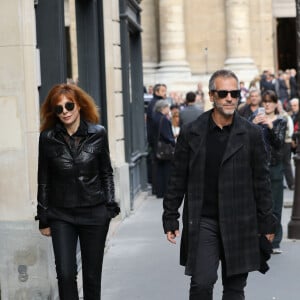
(216, 142)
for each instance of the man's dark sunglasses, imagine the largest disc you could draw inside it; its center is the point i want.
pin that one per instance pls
(69, 106)
(223, 93)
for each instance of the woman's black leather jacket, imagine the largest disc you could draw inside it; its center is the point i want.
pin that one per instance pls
(75, 181)
(275, 140)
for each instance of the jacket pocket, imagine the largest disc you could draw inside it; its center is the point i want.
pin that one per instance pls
(92, 149)
(55, 152)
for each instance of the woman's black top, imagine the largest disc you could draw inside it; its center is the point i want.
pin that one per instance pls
(274, 139)
(74, 171)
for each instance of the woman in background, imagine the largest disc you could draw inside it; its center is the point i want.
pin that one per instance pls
(163, 130)
(274, 129)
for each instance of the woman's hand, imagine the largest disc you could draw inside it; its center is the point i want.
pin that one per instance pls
(263, 119)
(46, 231)
(267, 121)
(258, 119)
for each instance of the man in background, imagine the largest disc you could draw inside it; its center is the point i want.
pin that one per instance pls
(191, 111)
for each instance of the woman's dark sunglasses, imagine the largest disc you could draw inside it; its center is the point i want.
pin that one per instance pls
(223, 93)
(69, 106)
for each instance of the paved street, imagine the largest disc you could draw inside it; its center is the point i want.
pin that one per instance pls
(141, 264)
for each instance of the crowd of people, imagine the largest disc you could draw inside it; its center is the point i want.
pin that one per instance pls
(270, 102)
(186, 108)
(285, 89)
(165, 115)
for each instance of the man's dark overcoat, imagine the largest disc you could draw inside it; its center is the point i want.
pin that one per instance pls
(245, 205)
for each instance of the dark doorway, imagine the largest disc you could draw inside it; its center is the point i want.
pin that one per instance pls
(286, 43)
(68, 51)
(50, 29)
(133, 103)
(90, 47)
(53, 42)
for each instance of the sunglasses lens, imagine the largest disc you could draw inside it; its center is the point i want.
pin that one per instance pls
(235, 94)
(222, 94)
(58, 109)
(69, 106)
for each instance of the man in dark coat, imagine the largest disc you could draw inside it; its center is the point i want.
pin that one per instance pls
(220, 170)
(293, 84)
(159, 93)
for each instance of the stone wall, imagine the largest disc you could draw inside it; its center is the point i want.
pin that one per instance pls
(24, 256)
(239, 34)
(26, 259)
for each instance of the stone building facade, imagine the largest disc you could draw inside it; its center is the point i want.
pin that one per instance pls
(183, 42)
(186, 40)
(42, 43)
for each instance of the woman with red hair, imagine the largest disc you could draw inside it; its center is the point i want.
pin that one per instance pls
(75, 187)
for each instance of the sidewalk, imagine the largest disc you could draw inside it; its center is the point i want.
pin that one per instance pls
(141, 264)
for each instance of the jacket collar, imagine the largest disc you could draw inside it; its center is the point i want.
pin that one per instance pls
(199, 129)
(235, 142)
(200, 126)
(92, 128)
(81, 131)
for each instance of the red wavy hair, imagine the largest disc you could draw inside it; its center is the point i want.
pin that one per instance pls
(88, 109)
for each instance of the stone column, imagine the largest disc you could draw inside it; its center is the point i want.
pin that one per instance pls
(172, 38)
(238, 39)
(149, 38)
(73, 40)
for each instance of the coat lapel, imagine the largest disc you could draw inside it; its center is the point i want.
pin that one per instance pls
(198, 137)
(235, 142)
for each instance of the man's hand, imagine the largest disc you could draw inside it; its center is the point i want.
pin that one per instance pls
(270, 237)
(171, 235)
(46, 231)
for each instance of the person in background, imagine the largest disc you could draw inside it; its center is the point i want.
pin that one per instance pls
(163, 132)
(274, 130)
(76, 198)
(160, 92)
(267, 82)
(150, 89)
(282, 87)
(148, 95)
(247, 110)
(191, 111)
(176, 99)
(294, 104)
(293, 84)
(244, 92)
(199, 90)
(287, 148)
(220, 171)
(256, 82)
(175, 120)
(200, 98)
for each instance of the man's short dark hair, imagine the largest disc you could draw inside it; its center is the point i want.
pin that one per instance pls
(220, 73)
(156, 88)
(190, 97)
